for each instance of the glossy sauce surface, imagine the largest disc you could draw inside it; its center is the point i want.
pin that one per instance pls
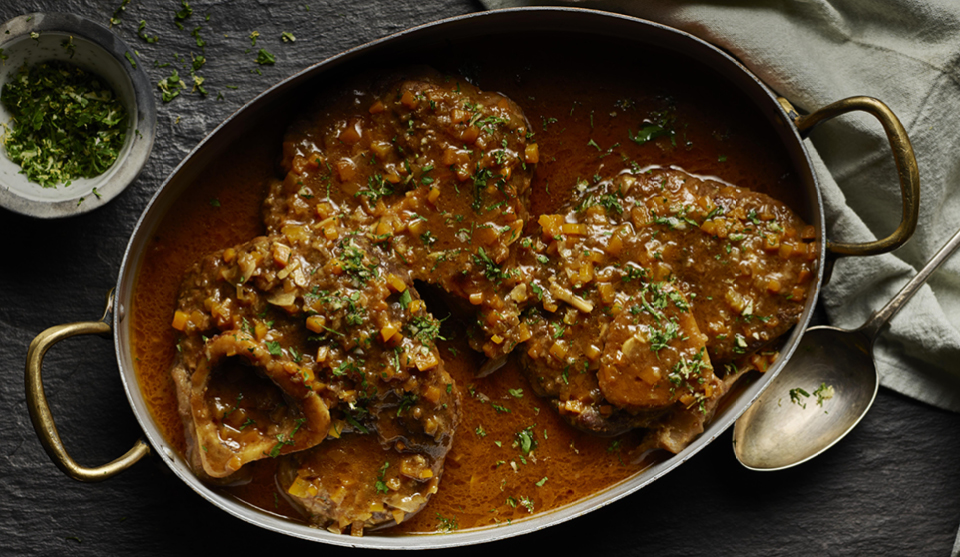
(512, 455)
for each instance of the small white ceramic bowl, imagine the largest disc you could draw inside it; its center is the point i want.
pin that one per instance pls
(99, 51)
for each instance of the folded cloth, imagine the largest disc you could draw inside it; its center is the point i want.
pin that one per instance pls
(907, 54)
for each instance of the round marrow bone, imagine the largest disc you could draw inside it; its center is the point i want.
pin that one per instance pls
(302, 336)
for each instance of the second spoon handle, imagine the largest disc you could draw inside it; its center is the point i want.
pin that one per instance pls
(883, 316)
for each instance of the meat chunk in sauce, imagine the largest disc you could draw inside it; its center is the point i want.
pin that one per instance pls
(647, 283)
(295, 338)
(427, 167)
(636, 305)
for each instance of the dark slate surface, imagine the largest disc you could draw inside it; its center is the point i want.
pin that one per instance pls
(890, 488)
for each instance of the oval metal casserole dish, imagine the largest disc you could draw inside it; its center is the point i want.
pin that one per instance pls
(600, 31)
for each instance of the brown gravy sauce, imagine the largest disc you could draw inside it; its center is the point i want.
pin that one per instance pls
(583, 111)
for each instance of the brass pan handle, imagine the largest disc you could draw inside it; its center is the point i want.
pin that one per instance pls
(40, 410)
(903, 155)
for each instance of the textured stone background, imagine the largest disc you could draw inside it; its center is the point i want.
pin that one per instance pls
(891, 488)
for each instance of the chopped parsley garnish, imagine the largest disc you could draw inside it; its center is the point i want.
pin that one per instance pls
(265, 58)
(381, 485)
(353, 263)
(648, 133)
(446, 524)
(424, 329)
(281, 441)
(68, 123)
(491, 270)
(185, 12)
(405, 298)
(480, 178)
(67, 45)
(526, 439)
(377, 187)
(795, 395)
(274, 348)
(611, 203)
(171, 86)
(143, 35)
(823, 392)
(287, 37)
(537, 290)
(660, 337)
(115, 20)
(196, 35)
(406, 402)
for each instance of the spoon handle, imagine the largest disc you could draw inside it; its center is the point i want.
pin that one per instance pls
(883, 316)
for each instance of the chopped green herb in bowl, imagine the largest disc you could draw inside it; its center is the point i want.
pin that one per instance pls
(67, 123)
(77, 118)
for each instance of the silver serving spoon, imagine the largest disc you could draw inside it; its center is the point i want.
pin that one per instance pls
(823, 391)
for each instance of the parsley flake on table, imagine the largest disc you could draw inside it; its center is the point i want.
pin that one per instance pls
(287, 37)
(67, 123)
(143, 34)
(183, 14)
(171, 86)
(264, 57)
(115, 20)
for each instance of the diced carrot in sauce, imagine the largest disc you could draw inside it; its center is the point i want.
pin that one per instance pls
(458, 116)
(350, 135)
(409, 100)
(531, 153)
(450, 156)
(523, 333)
(388, 330)
(786, 250)
(346, 170)
(281, 254)
(428, 361)
(551, 225)
(381, 148)
(558, 350)
(315, 323)
(179, 320)
(417, 226)
(432, 393)
(396, 283)
(486, 235)
(330, 232)
(470, 135)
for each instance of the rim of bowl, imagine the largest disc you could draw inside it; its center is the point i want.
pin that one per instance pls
(130, 83)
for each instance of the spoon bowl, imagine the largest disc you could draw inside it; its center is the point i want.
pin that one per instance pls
(818, 397)
(824, 390)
